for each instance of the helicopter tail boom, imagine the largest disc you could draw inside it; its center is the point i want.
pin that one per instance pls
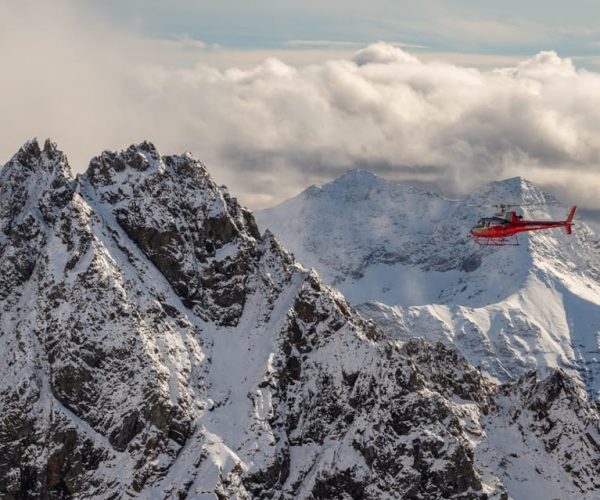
(569, 221)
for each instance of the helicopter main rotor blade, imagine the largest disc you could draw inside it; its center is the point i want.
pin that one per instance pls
(506, 205)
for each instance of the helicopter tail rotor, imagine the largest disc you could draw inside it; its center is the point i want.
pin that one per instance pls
(569, 221)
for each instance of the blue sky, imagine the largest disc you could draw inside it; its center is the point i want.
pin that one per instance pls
(465, 26)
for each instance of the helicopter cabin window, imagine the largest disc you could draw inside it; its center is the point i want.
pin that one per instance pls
(480, 223)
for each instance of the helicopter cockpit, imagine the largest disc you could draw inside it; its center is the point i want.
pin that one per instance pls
(485, 222)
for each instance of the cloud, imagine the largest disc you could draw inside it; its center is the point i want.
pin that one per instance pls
(383, 53)
(343, 44)
(322, 43)
(271, 129)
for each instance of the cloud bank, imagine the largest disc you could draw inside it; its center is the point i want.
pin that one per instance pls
(270, 130)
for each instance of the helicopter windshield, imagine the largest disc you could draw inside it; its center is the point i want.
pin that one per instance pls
(489, 222)
(498, 221)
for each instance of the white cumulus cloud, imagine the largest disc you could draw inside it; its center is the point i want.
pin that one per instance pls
(270, 130)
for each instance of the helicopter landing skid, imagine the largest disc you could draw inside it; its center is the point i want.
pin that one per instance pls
(497, 242)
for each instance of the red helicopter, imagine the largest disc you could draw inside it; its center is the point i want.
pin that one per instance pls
(502, 229)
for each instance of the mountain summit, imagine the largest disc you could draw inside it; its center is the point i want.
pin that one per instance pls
(155, 345)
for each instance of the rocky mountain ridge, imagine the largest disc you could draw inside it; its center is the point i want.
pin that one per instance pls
(155, 345)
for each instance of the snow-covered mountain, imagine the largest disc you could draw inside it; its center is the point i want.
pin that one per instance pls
(403, 255)
(154, 345)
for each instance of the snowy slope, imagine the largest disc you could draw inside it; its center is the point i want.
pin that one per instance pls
(403, 255)
(155, 345)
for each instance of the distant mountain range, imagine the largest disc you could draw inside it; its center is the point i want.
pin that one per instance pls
(403, 256)
(154, 344)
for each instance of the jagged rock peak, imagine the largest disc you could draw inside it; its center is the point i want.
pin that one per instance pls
(363, 184)
(200, 238)
(366, 183)
(520, 185)
(515, 190)
(141, 172)
(48, 159)
(359, 175)
(137, 157)
(356, 179)
(517, 181)
(34, 177)
(31, 147)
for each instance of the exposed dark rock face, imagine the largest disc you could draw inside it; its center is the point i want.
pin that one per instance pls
(32, 175)
(154, 345)
(554, 416)
(183, 223)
